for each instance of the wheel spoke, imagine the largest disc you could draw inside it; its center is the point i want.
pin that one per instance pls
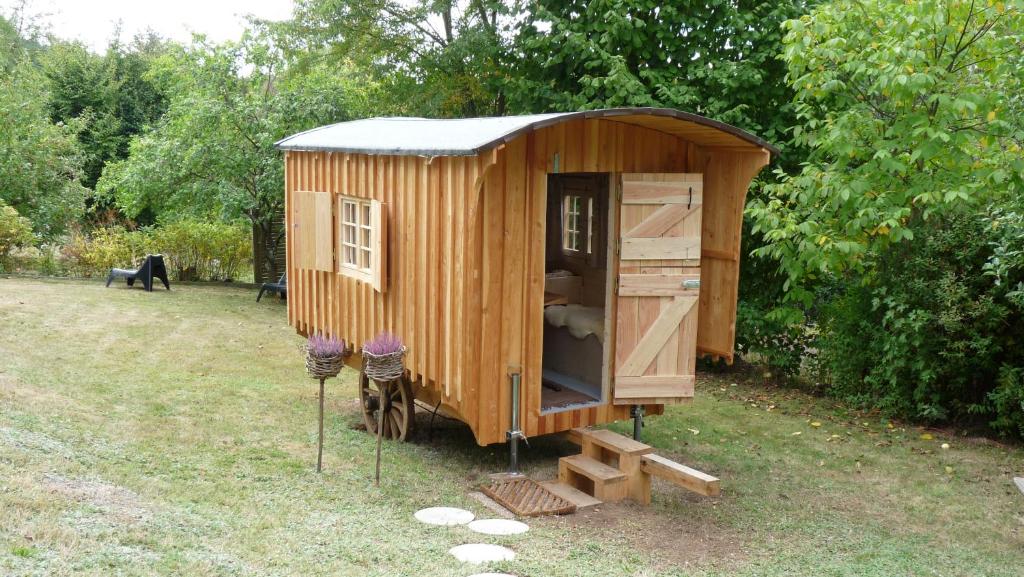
(395, 429)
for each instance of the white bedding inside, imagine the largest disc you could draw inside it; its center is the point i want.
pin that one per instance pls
(580, 320)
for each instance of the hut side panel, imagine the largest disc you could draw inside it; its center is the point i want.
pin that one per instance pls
(461, 233)
(727, 176)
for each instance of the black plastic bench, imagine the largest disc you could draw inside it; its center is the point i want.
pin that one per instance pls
(152, 267)
(280, 287)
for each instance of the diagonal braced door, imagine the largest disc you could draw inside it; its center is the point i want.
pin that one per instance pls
(658, 287)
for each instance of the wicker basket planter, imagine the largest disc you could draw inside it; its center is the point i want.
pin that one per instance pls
(324, 367)
(325, 358)
(386, 367)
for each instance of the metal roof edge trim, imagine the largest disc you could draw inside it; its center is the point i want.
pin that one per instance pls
(561, 117)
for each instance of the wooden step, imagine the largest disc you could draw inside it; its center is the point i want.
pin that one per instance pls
(592, 469)
(571, 494)
(614, 442)
(685, 477)
(594, 477)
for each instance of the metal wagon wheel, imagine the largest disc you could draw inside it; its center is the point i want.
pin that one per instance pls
(394, 400)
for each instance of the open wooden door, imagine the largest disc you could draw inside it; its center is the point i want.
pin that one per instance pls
(658, 287)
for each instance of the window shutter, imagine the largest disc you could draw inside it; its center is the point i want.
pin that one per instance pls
(324, 254)
(379, 241)
(314, 226)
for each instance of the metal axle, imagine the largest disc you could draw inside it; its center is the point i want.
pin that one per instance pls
(637, 412)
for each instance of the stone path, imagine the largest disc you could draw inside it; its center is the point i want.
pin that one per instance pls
(475, 553)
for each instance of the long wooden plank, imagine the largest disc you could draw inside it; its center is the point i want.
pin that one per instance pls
(680, 247)
(648, 386)
(659, 285)
(658, 192)
(686, 477)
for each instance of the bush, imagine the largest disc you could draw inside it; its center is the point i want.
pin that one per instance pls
(771, 340)
(1006, 402)
(15, 231)
(203, 250)
(192, 250)
(102, 249)
(930, 335)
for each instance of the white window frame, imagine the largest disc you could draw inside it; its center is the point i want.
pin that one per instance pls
(573, 233)
(357, 240)
(577, 225)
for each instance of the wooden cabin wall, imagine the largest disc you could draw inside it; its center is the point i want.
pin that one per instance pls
(517, 186)
(429, 245)
(727, 176)
(466, 259)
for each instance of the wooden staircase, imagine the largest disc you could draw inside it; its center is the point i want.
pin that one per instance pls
(611, 467)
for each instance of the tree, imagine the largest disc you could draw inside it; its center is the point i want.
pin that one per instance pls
(908, 110)
(436, 58)
(212, 153)
(715, 58)
(40, 163)
(109, 95)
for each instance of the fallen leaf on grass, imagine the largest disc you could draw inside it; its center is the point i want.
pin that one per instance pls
(816, 424)
(926, 437)
(694, 431)
(798, 433)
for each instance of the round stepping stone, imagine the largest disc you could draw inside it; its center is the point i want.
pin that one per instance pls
(444, 516)
(479, 553)
(499, 527)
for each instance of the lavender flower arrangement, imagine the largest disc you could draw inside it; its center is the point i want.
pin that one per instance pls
(324, 358)
(383, 344)
(384, 357)
(323, 347)
(325, 355)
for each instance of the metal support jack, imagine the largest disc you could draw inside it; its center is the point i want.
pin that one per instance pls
(637, 412)
(515, 434)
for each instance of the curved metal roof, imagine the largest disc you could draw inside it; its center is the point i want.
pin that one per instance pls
(470, 136)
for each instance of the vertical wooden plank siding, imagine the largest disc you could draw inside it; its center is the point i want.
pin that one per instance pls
(727, 177)
(465, 259)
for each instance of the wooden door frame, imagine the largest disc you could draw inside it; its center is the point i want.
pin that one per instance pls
(612, 273)
(611, 301)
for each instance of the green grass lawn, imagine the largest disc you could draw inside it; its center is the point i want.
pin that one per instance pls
(174, 433)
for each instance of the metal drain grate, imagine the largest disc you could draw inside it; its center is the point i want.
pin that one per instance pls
(528, 498)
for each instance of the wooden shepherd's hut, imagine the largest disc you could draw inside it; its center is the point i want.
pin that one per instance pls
(569, 267)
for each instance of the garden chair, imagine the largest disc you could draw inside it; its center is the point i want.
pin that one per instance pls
(280, 287)
(152, 267)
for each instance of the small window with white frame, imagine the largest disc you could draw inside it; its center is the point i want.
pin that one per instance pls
(361, 237)
(577, 224)
(572, 225)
